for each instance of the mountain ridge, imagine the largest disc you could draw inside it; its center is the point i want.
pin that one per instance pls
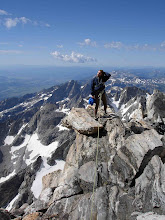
(34, 143)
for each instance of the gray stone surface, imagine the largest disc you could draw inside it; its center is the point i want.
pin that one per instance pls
(81, 121)
(155, 107)
(122, 160)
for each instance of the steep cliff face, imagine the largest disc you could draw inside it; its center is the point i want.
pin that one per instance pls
(33, 141)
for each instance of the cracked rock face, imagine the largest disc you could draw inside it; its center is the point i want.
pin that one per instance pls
(129, 176)
(155, 107)
(80, 120)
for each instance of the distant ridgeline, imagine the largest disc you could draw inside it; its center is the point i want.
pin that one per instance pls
(20, 81)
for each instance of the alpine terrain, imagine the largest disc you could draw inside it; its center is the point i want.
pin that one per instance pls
(57, 162)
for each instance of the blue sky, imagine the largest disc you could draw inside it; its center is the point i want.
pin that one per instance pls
(82, 33)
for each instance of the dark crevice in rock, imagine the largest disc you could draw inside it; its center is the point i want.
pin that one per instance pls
(136, 129)
(160, 128)
(99, 181)
(127, 133)
(160, 151)
(102, 133)
(66, 197)
(1, 156)
(43, 210)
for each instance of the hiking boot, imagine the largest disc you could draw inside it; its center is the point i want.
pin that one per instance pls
(105, 115)
(96, 118)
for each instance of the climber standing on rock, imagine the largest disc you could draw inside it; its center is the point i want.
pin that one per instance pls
(98, 89)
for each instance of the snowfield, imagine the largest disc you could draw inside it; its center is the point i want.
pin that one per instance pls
(44, 169)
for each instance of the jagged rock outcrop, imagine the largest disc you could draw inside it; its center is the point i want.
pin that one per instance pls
(128, 93)
(156, 107)
(80, 120)
(66, 90)
(146, 108)
(11, 102)
(129, 176)
(19, 183)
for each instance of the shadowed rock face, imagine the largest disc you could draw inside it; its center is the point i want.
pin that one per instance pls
(130, 92)
(4, 215)
(156, 107)
(21, 183)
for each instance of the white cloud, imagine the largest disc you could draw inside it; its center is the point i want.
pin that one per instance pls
(47, 25)
(139, 47)
(146, 46)
(88, 42)
(60, 46)
(24, 20)
(136, 46)
(10, 52)
(35, 23)
(2, 12)
(114, 45)
(12, 22)
(40, 23)
(9, 22)
(73, 57)
(163, 44)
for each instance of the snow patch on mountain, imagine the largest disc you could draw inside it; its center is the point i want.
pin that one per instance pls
(8, 140)
(45, 169)
(63, 109)
(34, 148)
(47, 97)
(115, 104)
(64, 100)
(137, 113)
(3, 179)
(61, 128)
(10, 109)
(10, 205)
(124, 109)
(15, 149)
(23, 126)
(31, 103)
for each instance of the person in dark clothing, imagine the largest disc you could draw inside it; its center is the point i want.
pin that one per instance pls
(98, 88)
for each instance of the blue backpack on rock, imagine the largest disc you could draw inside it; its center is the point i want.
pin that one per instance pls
(91, 101)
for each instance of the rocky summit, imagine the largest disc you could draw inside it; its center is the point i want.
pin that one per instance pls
(80, 120)
(57, 162)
